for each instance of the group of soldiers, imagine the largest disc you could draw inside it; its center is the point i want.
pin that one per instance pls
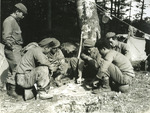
(103, 64)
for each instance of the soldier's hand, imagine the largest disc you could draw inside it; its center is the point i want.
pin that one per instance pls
(84, 56)
(79, 80)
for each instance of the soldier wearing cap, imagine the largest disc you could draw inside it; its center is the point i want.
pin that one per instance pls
(13, 41)
(91, 58)
(116, 67)
(117, 45)
(34, 68)
(57, 59)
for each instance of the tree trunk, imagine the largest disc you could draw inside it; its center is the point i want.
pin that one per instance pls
(142, 10)
(115, 7)
(111, 6)
(50, 15)
(130, 10)
(118, 12)
(88, 19)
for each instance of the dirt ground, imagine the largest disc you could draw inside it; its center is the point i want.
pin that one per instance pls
(73, 98)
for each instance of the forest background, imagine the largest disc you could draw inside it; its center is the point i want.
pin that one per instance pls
(59, 18)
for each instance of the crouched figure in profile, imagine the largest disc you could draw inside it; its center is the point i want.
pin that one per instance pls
(115, 66)
(35, 68)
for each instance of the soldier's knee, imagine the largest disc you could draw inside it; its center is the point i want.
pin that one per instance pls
(20, 80)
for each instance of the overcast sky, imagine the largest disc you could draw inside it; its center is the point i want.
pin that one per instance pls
(134, 9)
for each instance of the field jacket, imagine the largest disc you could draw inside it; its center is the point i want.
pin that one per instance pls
(11, 32)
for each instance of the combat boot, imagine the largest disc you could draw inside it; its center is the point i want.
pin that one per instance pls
(43, 95)
(105, 83)
(11, 90)
(105, 87)
(124, 88)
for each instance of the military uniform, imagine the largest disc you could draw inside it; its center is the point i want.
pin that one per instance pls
(13, 44)
(12, 39)
(117, 67)
(58, 61)
(95, 60)
(120, 46)
(33, 68)
(92, 59)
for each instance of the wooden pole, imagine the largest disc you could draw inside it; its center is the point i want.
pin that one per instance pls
(142, 10)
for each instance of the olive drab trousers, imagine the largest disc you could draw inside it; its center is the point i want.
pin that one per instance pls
(39, 75)
(116, 75)
(13, 57)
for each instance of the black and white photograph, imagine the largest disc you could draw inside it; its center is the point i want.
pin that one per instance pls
(75, 56)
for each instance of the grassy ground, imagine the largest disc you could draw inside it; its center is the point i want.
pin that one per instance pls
(72, 98)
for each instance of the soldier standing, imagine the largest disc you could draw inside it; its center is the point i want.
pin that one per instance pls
(13, 41)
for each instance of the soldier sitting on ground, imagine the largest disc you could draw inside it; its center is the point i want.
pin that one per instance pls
(56, 58)
(35, 68)
(115, 66)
